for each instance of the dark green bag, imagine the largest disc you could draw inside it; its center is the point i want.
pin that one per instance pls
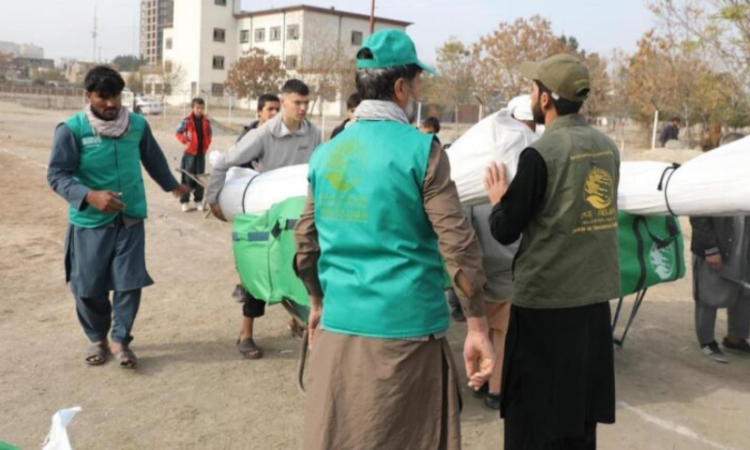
(651, 251)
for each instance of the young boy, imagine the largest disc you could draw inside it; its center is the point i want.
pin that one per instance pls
(195, 132)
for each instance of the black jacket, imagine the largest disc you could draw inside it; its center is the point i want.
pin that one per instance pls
(712, 235)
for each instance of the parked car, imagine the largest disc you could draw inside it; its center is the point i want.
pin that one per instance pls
(128, 99)
(147, 106)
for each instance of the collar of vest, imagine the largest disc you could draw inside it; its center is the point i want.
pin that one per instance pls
(571, 120)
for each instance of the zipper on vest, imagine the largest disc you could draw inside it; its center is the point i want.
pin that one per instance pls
(117, 168)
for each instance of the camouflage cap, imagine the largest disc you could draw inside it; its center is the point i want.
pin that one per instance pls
(564, 75)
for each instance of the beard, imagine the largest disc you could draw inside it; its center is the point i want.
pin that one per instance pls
(536, 110)
(411, 109)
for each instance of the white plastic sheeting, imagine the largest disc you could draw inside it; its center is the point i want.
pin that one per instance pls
(716, 183)
(499, 138)
(247, 191)
(57, 439)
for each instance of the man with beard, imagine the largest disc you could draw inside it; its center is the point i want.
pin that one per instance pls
(380, 210)
(559, 366)
(96, 167)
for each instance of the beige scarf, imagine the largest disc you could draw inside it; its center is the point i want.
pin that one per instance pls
(109, 128)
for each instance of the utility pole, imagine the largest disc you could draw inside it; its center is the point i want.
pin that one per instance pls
(372, 18)
(94, 33)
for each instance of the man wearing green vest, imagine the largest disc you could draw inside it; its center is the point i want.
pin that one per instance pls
(380, 211)
(559, 366)
(95, 166)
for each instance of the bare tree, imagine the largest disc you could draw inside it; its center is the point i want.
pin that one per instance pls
(255, 74)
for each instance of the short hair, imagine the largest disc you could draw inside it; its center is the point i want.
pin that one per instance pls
(676, 119)
(105, 81)
(562, 106)
(432, 122)
(295, 86)
(728, 138)
(353, 101)
(265, 98)
(199, 101)
(379, 84)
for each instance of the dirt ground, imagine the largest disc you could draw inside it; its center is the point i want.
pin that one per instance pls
(193, 390)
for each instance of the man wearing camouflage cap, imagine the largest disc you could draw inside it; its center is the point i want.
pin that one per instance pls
(380, 211)
(559, 366)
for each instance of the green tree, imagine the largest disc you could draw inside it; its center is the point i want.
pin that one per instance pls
(128, 63)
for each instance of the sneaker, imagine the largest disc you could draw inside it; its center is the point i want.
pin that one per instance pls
(187, 207)
(492, 401)
(743, 347)
(713, 351)
(239, 294)
(201, 207)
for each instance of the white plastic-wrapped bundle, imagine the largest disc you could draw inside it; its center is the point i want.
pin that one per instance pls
(247, 191)
(713, 184)
(498, 137)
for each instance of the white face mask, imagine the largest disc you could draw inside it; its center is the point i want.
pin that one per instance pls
(411, 109)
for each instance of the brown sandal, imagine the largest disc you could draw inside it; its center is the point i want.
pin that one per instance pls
(97, 353)
(127, 358)
(248, 348)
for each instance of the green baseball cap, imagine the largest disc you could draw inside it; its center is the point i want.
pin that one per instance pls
(390, 48)
(564, 75)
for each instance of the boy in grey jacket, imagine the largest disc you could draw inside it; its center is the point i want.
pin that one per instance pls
(286, 140)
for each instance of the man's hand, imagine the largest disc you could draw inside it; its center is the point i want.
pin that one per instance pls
(479, 356)
(496, 182)
(313, 320)
(181, 190)
(106, 201)
(216, 211)
(714, 262)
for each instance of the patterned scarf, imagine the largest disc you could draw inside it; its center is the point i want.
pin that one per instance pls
(109, 128)
(380, 110)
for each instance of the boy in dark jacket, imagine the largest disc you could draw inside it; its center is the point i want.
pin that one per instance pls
(721, 273)
(195, 133)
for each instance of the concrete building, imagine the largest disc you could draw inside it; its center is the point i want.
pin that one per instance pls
(156, 15)
(209, 36)
(22, 50)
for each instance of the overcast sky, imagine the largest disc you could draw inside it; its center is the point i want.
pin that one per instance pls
(63, 28)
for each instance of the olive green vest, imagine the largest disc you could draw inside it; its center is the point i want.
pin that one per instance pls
(569, 253)
(107, 164)
(379, 267)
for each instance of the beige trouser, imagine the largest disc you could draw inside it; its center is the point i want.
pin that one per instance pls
(498, 316)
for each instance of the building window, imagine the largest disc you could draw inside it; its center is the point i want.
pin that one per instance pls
(260, 35)
(219, 62)
(217, 89)
(220, 2)
(291, 62)
(292, 32)
(275, 33)
(244, 36)
(219, 35)
(356, 38)
(168, 66)
(168, 44)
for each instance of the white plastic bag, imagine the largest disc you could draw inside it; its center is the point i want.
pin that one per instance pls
(57, 439)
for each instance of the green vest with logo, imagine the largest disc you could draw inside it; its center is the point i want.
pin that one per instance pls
(108, 164)
(380, 267)
(569, 253)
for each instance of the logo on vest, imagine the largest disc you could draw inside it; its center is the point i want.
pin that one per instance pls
(662, 261)
(91, 140)
(599, 189)
(342, 167)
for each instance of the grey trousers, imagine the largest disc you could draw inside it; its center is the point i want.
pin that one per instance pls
(96, 315)
(738, 321)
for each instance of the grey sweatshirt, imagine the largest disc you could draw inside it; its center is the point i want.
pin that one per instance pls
(272, 144)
